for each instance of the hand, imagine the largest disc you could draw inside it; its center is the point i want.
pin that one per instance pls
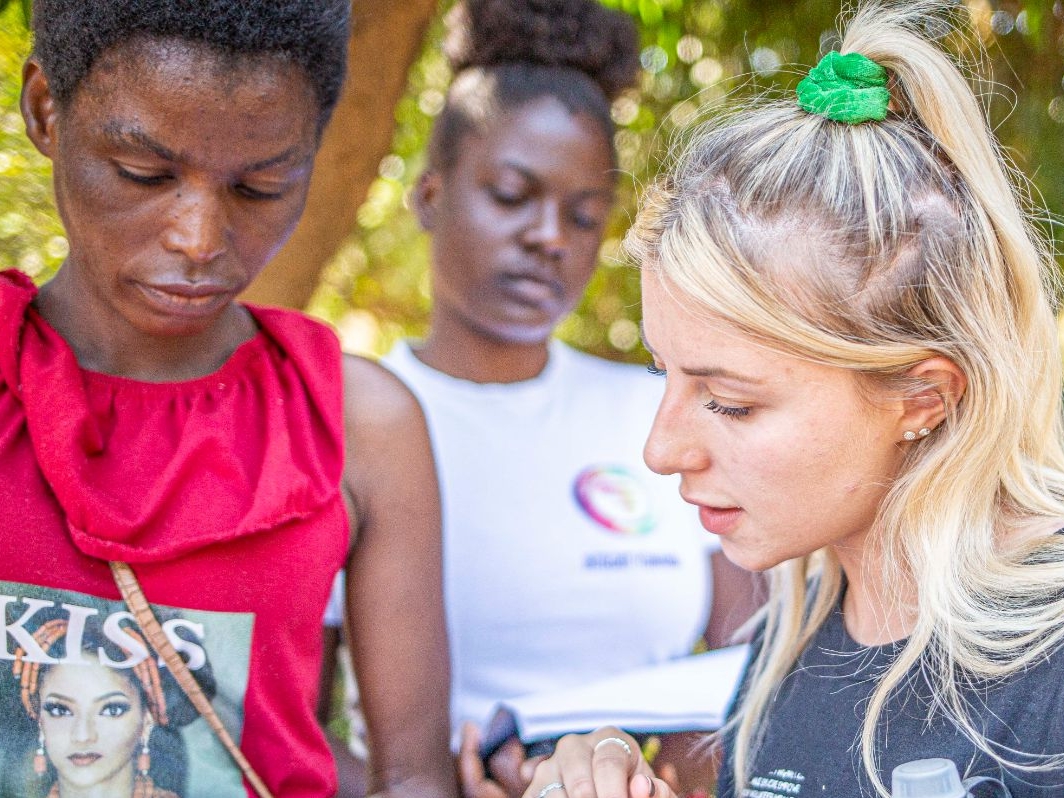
(597, 765)
(509, 772)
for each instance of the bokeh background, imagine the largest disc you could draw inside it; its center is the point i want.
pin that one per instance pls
(374, 288)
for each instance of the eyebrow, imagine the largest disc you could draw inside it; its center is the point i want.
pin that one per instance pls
(97, 699)
(129, 134)
(707, 372)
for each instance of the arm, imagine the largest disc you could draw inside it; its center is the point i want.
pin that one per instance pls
(350, 770)
(395, 618)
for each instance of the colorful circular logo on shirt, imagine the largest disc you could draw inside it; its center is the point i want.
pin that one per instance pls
(614, 498)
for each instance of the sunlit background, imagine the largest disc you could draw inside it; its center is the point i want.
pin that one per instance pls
(376, 288)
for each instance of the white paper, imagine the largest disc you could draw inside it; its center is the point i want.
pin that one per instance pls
(688, 694)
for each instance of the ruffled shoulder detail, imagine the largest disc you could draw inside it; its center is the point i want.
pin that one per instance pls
(16, 292)
(147, 472)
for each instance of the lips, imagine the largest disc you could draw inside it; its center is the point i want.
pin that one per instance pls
(83, 760)
(719, 520)
(532, 287)
(186, 299)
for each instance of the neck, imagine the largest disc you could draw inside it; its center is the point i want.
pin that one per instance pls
(107, 343)
(875, 611)
(479, 358)
(119, 784)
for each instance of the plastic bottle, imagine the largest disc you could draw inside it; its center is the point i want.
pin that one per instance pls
(927, 778)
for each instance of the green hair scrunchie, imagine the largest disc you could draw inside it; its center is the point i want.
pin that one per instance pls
(847, 88)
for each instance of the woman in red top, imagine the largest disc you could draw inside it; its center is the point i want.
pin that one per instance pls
(228, 453)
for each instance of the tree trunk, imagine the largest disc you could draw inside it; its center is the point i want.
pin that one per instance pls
(386, 37)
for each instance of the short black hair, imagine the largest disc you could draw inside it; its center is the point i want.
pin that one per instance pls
(575, 51)
(69, 36)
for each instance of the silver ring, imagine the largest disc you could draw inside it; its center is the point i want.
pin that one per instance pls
(617, 740)
(554, 785)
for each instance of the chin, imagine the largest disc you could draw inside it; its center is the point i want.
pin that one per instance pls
(522, 335)
(756, 561)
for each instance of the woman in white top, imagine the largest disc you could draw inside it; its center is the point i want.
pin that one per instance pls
(566, 559)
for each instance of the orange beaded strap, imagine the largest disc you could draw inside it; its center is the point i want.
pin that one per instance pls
(149, 625)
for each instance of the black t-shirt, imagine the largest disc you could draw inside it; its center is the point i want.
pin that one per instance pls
(812, 739)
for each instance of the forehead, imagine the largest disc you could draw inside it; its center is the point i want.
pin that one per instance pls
(677, 329)
(85, 680)
(196, 102)
(186, 69)
(542, 136)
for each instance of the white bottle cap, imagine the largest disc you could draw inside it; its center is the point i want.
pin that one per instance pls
(927, 778)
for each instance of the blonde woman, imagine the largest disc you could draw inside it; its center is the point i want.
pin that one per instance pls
(863, 400)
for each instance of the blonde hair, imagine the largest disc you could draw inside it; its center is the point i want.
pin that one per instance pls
(918, 245)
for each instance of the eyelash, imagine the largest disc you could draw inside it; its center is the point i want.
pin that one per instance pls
(144, 180)
(156, 180)
(255, 194)
(55, 709)
(507, 198)
(115, 709)
(731, 411)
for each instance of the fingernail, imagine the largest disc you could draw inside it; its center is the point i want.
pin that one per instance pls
(650, 785)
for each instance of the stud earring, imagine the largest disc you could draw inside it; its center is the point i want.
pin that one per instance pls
(924, 432)
(909, 435)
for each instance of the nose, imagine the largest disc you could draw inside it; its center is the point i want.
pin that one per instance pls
(198, 227)
(676, 443)
(546, 232)
(84, 728)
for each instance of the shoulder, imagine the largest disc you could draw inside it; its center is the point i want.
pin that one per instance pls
(374, 396)
(388, 456)
(298, 333)
(381, 414)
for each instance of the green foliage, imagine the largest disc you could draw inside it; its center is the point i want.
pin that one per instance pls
(30, 234)
(695, 52)
(25, 6)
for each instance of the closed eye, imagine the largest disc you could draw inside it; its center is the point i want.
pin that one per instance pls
(732, 411)
(141, 179)
(248, 192)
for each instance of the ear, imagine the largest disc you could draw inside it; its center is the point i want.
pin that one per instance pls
(426, 197)
(943, 386)
(39, 109)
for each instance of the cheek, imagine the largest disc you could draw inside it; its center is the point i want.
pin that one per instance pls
(124, 732)
(258, 234)
(779, 466)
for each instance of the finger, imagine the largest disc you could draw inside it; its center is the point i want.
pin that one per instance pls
(505, 767)
(668, 774)
(644, 786)
(470, 766)
(528, 767)
(601, 764)
(546, 774)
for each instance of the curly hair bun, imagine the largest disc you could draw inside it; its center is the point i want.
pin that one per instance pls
(575, 34)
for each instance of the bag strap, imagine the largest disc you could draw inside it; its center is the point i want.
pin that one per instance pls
(149, 625)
